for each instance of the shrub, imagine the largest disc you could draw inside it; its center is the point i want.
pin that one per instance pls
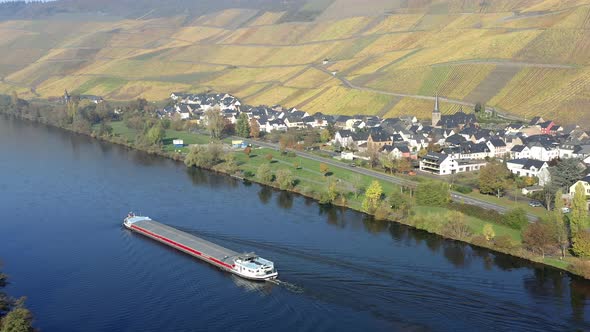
(382, 212)
(433, 193)
(291, 154)
(479, 240)
(463, 189)
(488, 232)
(456, 227)
(504, 242)
(581, 244)
(581, 267)
(516, 218)
(478, 212)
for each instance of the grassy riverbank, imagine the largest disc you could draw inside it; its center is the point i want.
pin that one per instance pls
(311, 179)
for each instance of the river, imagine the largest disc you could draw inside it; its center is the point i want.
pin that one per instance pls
(63, 197)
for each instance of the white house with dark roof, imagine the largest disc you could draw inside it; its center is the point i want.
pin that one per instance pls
(530, 168)
(497, 147)
(520, 152)
(443, 164)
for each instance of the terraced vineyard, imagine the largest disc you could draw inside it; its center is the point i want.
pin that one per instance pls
(527, 57)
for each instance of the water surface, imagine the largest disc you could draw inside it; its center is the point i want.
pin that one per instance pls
(62, 198)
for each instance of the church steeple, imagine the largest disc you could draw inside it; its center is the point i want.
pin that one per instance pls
(435, 112)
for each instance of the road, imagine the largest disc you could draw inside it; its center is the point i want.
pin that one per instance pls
(455, 196)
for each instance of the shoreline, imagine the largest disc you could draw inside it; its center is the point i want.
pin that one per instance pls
(521, 253)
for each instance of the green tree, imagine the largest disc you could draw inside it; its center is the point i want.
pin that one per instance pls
(254, 128)
(284, 178)
(243, 125)
(581, 244)
(215, 122)
(325, 135)
(400, 203)
(372, 197)
(559, 226)
(204, 156)
(433, 193)
(155, 135)
(478, 108)
(579, 211)
(566, 173)
(264, 173)
(493, 179)
(516, 218)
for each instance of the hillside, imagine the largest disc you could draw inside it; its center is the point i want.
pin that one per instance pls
(526, 57)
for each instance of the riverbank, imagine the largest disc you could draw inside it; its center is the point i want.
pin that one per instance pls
(312, 181)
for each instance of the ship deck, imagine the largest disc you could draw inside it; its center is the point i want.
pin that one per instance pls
(190, 242)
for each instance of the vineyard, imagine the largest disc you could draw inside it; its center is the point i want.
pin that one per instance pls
(525, 57)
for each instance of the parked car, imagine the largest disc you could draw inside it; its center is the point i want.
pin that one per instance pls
(353, 165)
(565, 210)
(535, 204)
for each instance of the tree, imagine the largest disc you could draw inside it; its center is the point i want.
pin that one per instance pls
(400, 203)
(357, 184)
(456, 227)
(17, 320)
(373, 155)
(579, 211)
(215, 122)
(559, 226)
(325, 135)
(581, 244)
(284, 178)
(372, 197)
(248, 151)
(516, 218)
(403, 165)
(433, 193)
(264, 174)
(423, 152)
(566, 173)
(387, 162)
(269, 157)
(488, 232)
(493, 179)
(539, 236)
(254, 128)
(155, 134)
(478, 108)
(243, 125)
(323, 169)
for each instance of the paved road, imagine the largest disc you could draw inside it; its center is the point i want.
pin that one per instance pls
(455, 196)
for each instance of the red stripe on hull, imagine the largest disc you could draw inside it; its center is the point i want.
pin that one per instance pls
(181, 246)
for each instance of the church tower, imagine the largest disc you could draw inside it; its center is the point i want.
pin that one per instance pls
(435, 112)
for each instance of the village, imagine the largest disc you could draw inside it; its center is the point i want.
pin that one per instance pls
(443, 145)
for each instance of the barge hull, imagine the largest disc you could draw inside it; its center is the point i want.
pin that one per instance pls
(190, 244)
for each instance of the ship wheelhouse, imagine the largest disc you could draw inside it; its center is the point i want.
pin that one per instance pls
(254, 267)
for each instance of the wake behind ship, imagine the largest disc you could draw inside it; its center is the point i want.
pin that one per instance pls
(247, 265)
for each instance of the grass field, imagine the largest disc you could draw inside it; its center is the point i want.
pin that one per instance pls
(495, 52)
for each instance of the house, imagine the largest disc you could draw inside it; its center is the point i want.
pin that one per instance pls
(543, 152)
(469, 151)
(378, 138)
(443, 164)
(585, 182)
(530, 168)
(271, 125)
(547, 127)
(536, 120)
(520, 152)
(497, 147)
(397, 152)
(349, 139)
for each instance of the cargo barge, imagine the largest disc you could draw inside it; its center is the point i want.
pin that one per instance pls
(246, 265)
